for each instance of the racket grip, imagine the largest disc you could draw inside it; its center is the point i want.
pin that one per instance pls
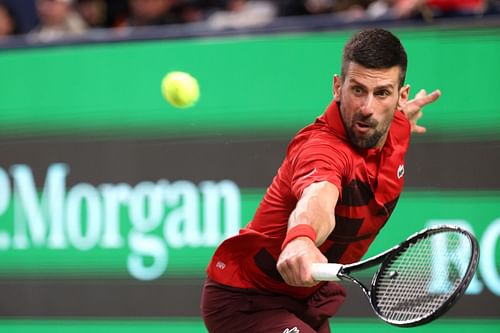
(326, 272)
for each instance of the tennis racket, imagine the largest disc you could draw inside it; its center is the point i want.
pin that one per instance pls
(419, 279)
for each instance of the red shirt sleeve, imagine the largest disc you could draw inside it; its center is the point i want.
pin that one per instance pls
(318, 160)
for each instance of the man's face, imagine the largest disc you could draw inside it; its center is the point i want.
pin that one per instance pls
(368, 99)
(6, 22)
(53, 12)
(149, 9)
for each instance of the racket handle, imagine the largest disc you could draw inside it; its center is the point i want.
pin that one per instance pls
(326, 272)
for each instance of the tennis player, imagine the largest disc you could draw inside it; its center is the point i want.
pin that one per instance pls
(337, 187)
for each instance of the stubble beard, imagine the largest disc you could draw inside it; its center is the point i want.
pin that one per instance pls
(380, 129)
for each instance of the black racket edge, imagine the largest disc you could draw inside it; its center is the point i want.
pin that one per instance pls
(370, 262)
(388, 255)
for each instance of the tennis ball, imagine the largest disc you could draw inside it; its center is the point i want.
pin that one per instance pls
(180, 89)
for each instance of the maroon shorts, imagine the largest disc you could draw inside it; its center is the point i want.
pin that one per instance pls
(226, 309)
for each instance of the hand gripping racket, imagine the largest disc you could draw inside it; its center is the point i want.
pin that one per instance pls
(419, 279)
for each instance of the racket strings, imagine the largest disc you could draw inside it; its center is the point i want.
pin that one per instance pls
(422, 277)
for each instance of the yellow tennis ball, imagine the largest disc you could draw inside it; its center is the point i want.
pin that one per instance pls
(180, 89)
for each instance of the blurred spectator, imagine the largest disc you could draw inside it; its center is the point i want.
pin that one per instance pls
(25, 14)
(349, 9)
(291, 8)
(319, 6)
(8, 24)
(151, 12)
(386, 9)
(493, 7)
(352, 10)
(427, 9)
(57, 19)
(47, 20)
(190, 11)
(117, 13)
(93, 12)
(243, 14)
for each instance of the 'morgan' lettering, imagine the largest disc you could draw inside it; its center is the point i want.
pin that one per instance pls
(161, 215)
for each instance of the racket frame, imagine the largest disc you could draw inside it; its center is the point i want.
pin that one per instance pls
(337, 272)
(388, 255)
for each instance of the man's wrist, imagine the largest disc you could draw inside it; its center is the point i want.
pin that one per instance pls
(299, 230)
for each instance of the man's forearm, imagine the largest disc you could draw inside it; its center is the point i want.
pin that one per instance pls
(316, 208)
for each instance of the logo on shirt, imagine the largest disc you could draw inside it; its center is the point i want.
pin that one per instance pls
(220, 265)
(401, 171)
(291, 330)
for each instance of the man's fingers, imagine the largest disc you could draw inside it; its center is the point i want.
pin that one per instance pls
(421, 93)
(285, 269)
(419, 129)
(426, 99)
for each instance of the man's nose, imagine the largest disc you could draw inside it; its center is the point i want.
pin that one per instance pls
(367, 107)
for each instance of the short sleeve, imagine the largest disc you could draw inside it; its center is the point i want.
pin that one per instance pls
(318, 160)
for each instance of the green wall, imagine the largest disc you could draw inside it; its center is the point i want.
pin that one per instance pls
(249, 84)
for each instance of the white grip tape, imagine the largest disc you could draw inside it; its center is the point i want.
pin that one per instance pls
(326, 272)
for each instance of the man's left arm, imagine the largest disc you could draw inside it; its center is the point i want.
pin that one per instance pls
(413, 108)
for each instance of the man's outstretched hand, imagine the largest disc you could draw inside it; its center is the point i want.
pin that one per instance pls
(413, 108)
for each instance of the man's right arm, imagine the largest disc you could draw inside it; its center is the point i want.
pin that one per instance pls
(316, 210)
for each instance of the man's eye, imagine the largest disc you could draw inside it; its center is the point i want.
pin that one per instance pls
(384, 93)
(357, 90)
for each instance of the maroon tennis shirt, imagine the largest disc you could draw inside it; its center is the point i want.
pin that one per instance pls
(369, 181)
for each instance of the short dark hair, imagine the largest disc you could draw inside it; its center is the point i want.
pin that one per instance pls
(375, 48)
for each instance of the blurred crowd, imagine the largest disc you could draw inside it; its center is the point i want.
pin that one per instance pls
(47, 20)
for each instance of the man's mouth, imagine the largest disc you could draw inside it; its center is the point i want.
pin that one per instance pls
(362, 127)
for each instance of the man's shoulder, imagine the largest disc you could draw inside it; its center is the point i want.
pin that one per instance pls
(320, 145)
(319, 136)
(400, 124)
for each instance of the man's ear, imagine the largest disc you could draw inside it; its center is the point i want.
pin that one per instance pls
(337, 85)
(404, 93)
